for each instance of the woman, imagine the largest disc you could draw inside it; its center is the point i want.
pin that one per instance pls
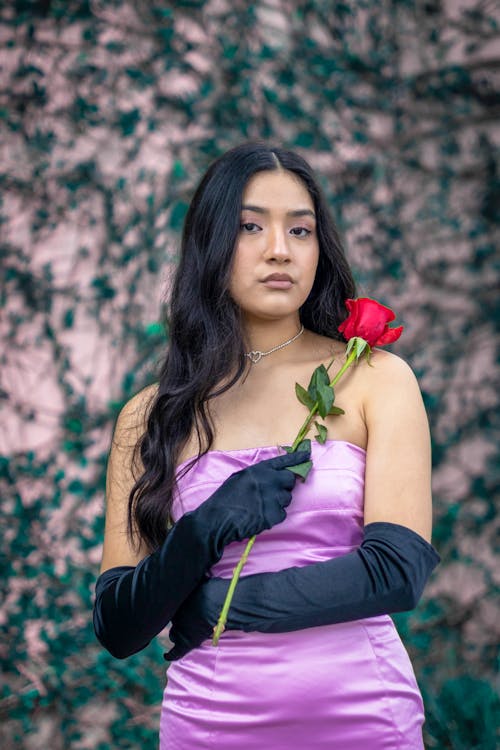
(309, 657)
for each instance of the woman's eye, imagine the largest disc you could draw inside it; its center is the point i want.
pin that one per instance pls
(300, 231)
(249, 226)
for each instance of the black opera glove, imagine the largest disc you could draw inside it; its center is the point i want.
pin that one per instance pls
(385, 574)
(133, 604)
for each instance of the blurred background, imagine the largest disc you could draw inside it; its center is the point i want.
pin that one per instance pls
(109, 114)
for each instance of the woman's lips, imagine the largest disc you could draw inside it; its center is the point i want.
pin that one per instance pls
(278, 281)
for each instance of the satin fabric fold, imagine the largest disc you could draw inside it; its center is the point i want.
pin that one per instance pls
(347, 686)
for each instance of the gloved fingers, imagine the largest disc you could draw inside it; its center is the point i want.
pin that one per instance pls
(177, 652)
(288, 479)
(186, 636)
(288, 459)
(180, 646)
(276, 515)
(282, 515)
(284, 498)
(193, 622)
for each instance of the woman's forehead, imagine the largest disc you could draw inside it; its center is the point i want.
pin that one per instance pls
(276, 188)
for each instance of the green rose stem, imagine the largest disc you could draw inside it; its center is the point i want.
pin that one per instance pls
(355, 348)
(305, 427)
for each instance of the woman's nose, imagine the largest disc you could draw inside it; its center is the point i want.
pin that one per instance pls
(277, 245)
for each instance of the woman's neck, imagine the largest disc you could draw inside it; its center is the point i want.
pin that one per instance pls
(264, 335)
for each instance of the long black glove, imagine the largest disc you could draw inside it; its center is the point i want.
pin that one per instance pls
(386, 573)
(133, 604)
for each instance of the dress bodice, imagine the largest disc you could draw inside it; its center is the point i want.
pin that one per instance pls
(348, 685)
(324, 519)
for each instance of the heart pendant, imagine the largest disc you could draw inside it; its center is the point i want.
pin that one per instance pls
(254, 356)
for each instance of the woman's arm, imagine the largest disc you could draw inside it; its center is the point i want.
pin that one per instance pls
(386, 573)
(137, 594)
(130, 425)
(398, 458)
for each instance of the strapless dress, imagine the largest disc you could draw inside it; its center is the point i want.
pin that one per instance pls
(348, 686)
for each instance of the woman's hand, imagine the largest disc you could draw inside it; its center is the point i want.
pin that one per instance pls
(133, 604)
(249, 501)
(195, 620)
(385, 574)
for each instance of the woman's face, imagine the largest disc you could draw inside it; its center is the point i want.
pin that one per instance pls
(277, 250)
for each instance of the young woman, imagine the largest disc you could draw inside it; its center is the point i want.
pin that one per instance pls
(309, 658)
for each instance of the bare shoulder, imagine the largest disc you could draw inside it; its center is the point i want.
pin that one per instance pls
(124, 467)
(383, 372)
(386, 371)
(132, 419)
(123, 461)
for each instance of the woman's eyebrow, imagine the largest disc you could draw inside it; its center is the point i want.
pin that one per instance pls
(295, 212)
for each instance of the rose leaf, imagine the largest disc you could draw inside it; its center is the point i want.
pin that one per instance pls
(302, 470)
(304, 396)
(322, 433)
(304, 445)
(325, 400)
(319, 378)
(335, 410)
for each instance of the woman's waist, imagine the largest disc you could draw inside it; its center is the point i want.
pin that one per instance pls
(342, 633)
(369, 638)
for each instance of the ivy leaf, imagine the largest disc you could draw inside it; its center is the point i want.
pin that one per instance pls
(322, 433)
(335, 410)
(302, 470)
(304, 396)
(325, 399)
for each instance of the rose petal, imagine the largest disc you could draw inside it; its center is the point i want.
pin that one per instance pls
(389, 336)
(370, 308)
(368, 319)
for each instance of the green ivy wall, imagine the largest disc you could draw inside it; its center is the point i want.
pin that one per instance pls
(109, 113)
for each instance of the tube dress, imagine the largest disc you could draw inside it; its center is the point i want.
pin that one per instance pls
(348, 686)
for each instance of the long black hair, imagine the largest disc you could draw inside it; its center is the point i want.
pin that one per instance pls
(206, 344)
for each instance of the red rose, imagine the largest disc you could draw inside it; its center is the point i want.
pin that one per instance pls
(369, 320)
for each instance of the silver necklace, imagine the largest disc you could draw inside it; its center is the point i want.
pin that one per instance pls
(255, 356)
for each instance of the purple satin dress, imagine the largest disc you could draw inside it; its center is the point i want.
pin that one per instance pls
(348, 686)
